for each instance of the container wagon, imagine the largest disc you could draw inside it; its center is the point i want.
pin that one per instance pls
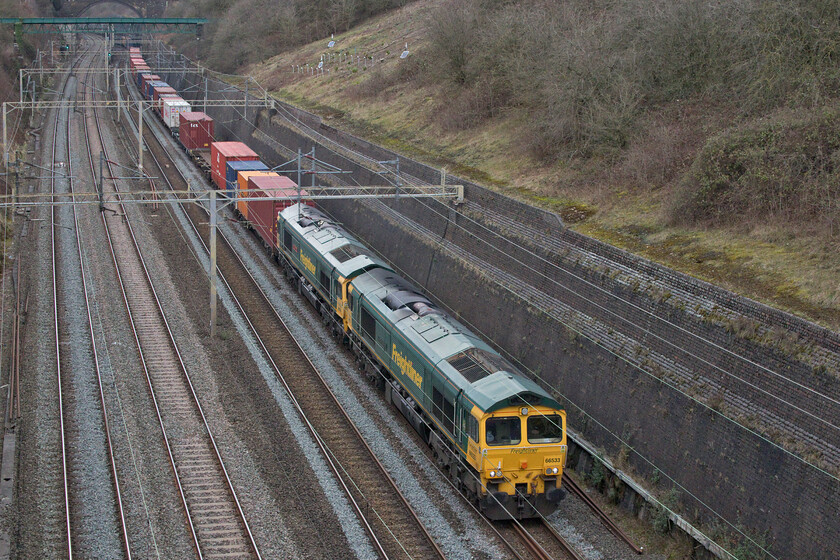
(170, 111)
(195, 130)
(262, 214)
(232, 169)
(221, 153)
(242, 189)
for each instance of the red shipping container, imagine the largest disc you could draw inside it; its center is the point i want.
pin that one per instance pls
(146, 79)
(196, 130)
(162, 89)
(242, 188)
(221, 153)
(263, 213)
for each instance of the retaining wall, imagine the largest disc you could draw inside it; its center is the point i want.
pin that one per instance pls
(769, 493)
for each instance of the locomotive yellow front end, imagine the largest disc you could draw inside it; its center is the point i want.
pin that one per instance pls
(522, 455)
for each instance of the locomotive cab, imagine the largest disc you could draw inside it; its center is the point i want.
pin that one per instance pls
(522, 455)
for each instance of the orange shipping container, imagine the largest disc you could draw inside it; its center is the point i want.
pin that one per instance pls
(242, 188)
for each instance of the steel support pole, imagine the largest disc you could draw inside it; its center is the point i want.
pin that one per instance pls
(298, 175)
(5, 143)
(117, 89)
(140, 137)
(246, 98)
(101, 180)
(20, 72)
(399, 180)
(312, 168)
(213, 220)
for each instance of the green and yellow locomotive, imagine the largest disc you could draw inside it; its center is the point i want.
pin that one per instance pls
(501, 438)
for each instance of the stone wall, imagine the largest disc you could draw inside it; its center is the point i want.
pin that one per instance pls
(546, 296)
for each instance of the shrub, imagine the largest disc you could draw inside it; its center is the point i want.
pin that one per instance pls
(785, 167)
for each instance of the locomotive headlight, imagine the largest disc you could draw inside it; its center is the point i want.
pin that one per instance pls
(552, 470)
(495, 474)
(524, 411)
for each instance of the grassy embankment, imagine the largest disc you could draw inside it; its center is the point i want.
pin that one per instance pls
(705, 139)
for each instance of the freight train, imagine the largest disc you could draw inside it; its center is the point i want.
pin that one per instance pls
(499, 436)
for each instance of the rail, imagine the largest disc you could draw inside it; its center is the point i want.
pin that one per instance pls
(164, 367)
(329, 455)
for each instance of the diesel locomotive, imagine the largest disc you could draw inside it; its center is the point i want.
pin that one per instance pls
(499, 436)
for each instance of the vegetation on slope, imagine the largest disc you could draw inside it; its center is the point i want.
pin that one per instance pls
(246, 31)
(699, 134)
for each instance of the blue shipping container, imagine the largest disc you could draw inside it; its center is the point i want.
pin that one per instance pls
(151, 85)
(140, 78)
(232, 168)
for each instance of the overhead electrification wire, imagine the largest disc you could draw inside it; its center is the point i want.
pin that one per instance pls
(636, 366)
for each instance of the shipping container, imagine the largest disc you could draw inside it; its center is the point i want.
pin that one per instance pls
(157, 90)
(221, 153)
(151, 85)
(146, 78)
(242, 188)
(195, 130)
(171, 110)
(234, 167)
(158, 106)
(262, 214)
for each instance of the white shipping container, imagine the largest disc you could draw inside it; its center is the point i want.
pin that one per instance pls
(172, 108)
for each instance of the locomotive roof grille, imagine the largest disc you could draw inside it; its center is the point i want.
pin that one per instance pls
(347, 252)
(476, 364)
(395, 300)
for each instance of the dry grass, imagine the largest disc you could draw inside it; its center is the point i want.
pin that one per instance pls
(623, 194)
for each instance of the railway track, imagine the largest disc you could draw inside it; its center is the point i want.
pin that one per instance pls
(395, 529)
(551, 535)
(574, 487)
(214, 516)
(83, 419)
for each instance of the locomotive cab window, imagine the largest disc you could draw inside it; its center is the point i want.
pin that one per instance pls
(287, 239)
(503, 431)
(545, 429)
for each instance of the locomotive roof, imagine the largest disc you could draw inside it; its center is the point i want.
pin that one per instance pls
(487, 379)
(329, 239)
